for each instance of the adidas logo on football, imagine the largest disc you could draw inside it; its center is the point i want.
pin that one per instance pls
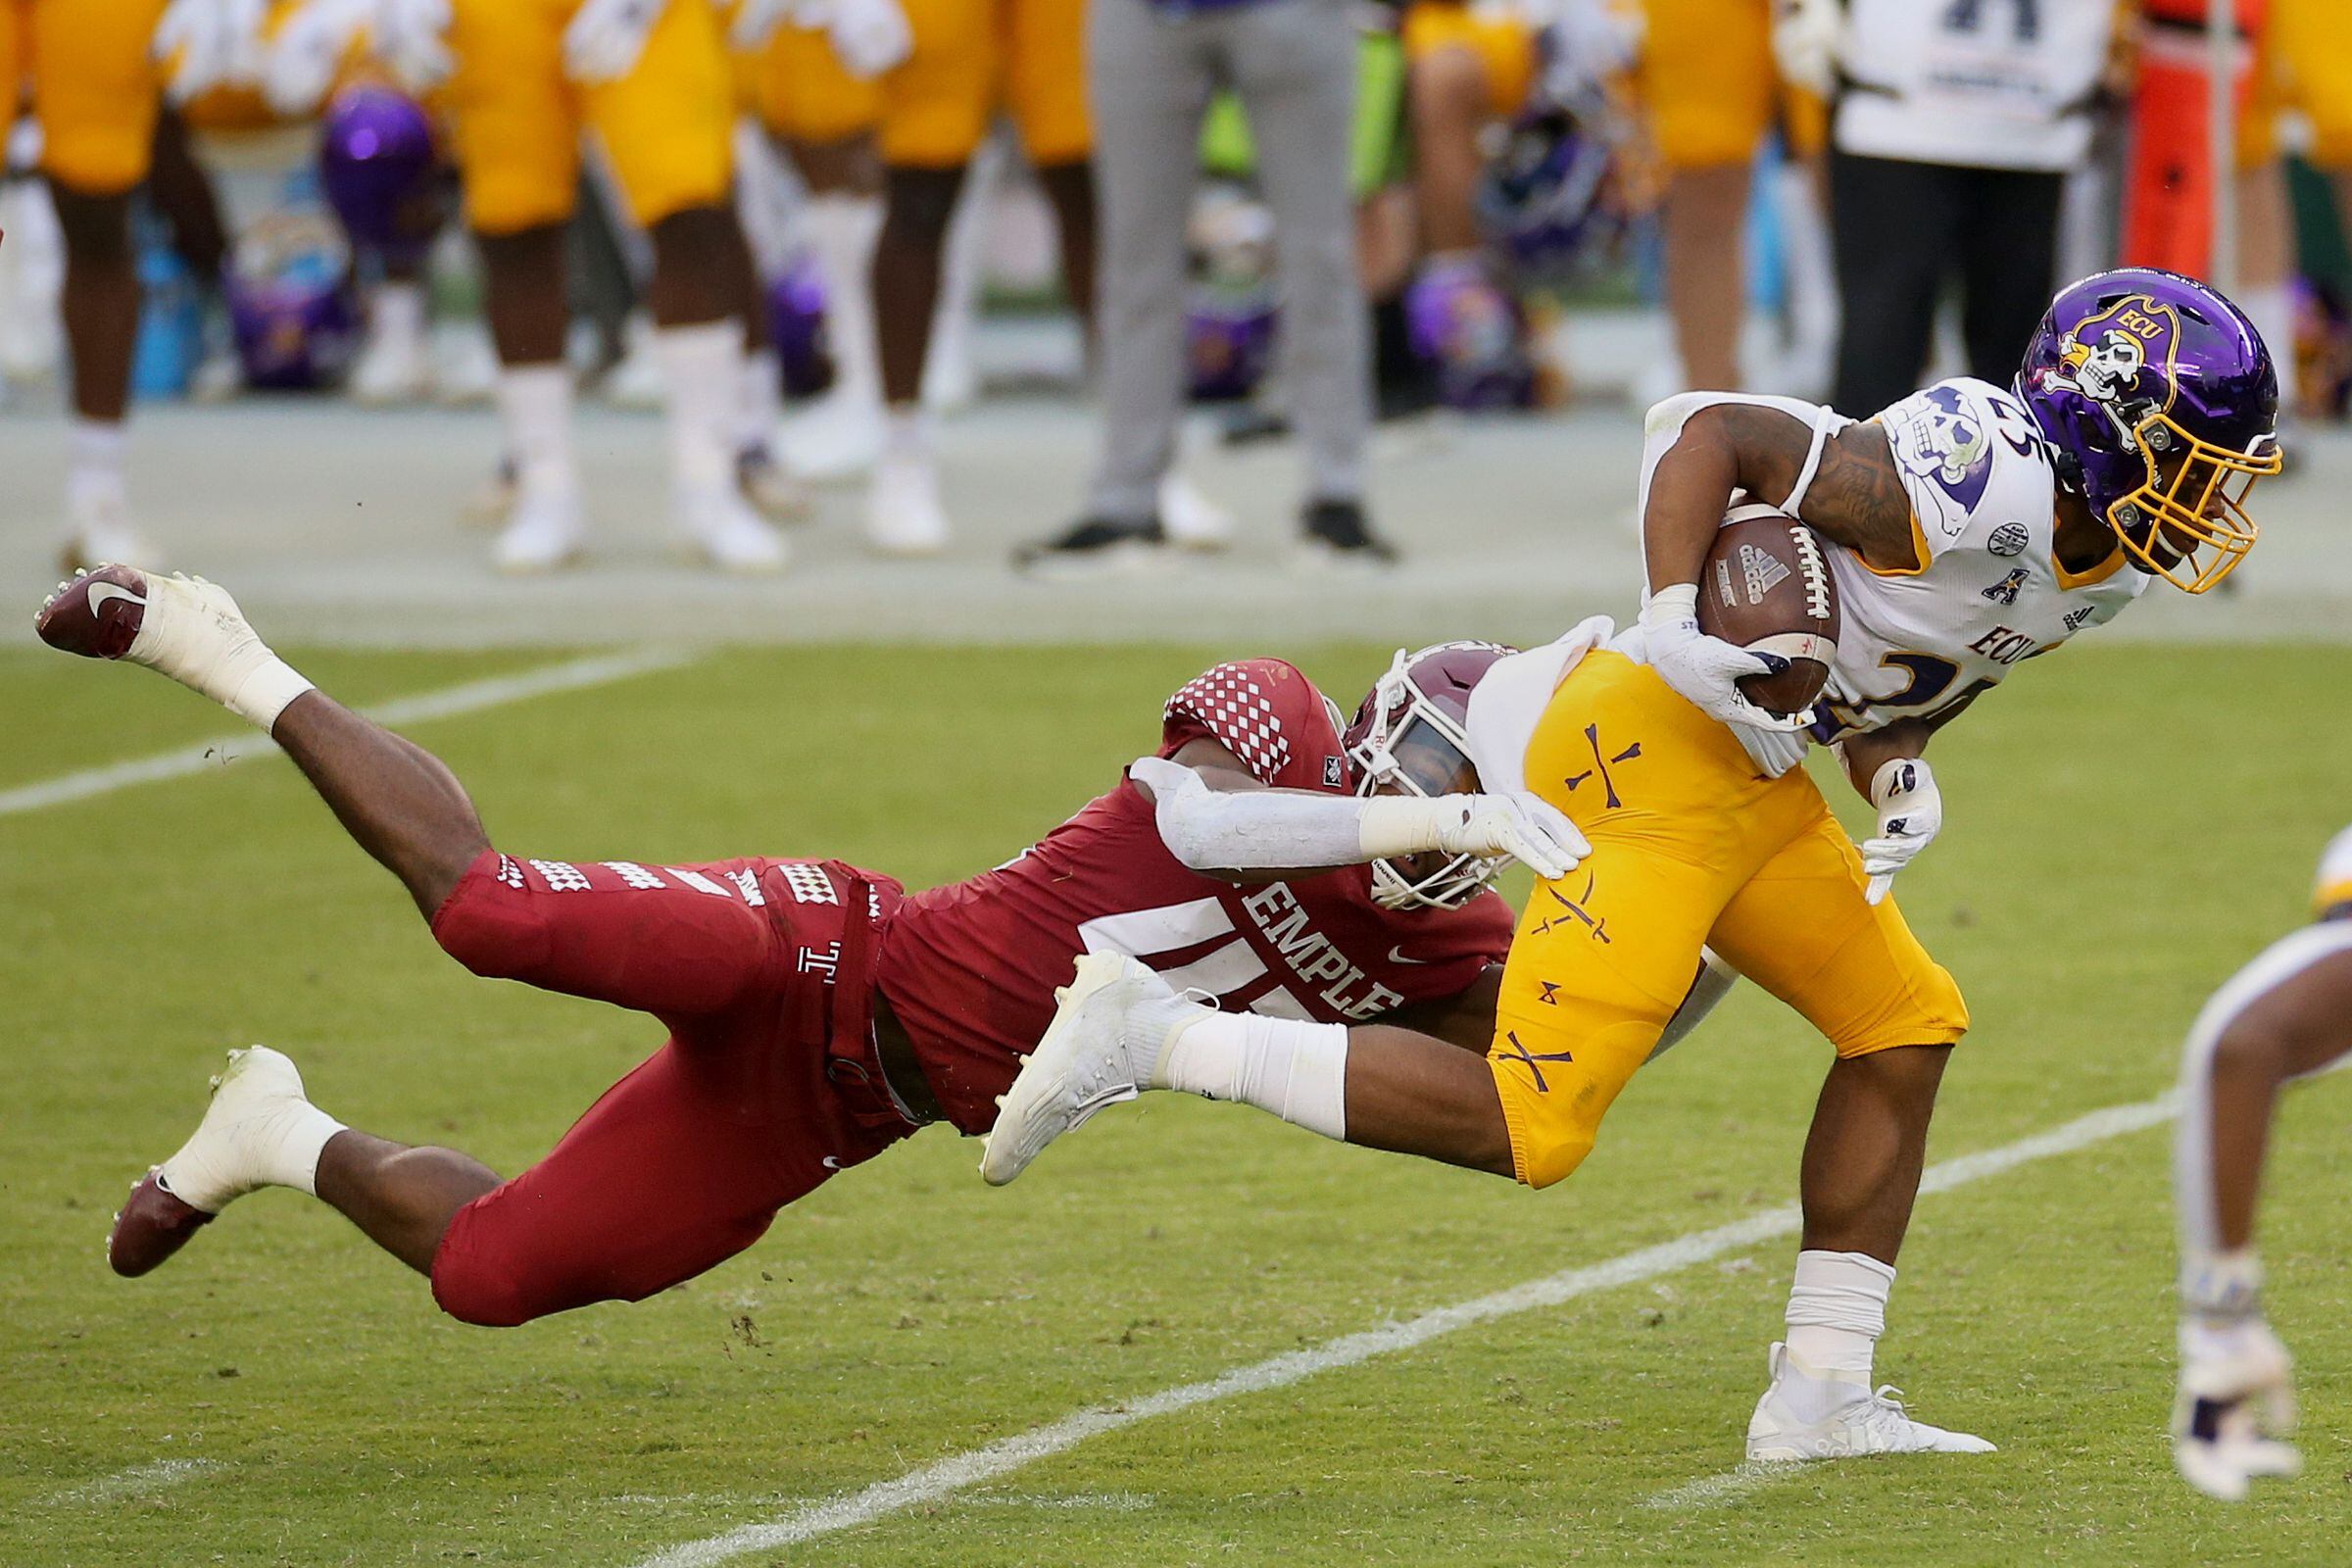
(1761, 571)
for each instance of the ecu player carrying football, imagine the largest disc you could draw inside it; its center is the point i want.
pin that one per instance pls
(1965, 529)
(817, 1012)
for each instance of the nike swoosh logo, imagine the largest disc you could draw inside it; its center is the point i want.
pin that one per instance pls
(1397, 956)
(105, 591)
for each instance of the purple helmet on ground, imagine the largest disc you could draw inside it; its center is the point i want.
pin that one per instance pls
(290, 301)
(2161, 404)
(796, 325)
(381, 171)
(1470, 331)
(1229, 341)
(1410, 736)
(1550, 202)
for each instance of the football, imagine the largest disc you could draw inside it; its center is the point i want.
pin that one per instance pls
(1767, 587)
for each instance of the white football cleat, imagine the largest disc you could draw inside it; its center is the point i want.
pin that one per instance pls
(543, 532)
(2236, 1405)
(260, 1130)
(393, 366)
(1866, 1422)
(1112, 1022)
(835, 440)
(720, 528)
(1191, 520)
(101, 531)
(903, 514)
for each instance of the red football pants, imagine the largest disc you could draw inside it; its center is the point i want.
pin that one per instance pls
(684, 1162)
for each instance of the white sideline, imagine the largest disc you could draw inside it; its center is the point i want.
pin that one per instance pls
(472, 697)
(962, 1470)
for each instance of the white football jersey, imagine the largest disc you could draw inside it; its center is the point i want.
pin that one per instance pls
(1988, 592)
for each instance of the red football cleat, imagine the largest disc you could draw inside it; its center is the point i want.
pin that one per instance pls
(97, 614)
(154, 1223)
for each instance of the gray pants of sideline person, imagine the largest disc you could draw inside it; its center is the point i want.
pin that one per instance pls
(1150, 71)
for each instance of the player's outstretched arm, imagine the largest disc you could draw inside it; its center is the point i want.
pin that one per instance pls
(1216, 818)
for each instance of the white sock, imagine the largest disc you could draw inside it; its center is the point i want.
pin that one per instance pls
(703, 378)
(962, 266)
(397, 311)
(1297, 1070)
(761, 403)
(94, 464)
(907, 433)
(1837, 1311)
(843, 229)
(534, 403)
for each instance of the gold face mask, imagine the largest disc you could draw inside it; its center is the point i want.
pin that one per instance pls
(2190, 526)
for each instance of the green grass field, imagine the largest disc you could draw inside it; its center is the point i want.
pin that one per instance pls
(2125, 825)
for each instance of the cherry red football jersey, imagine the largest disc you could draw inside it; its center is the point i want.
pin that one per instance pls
(970, 969)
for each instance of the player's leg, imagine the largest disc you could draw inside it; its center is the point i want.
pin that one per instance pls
(1045, 80)
(2282, 1018)
(2008, 260)
(935, 109)
(1707, 87)
(826, 118)
(1150, 82)
(516, 139)
(666, 128)
(1297, 77)
(97, 94)
(1889, 273)
(1802, 929)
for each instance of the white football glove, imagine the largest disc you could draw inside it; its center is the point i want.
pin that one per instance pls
(1807, 36)
(204, 45)
(1910, 816)
(2237, 1405)
(606, 38)
(1526, 827)
(412, 36)
(869, 36)
(301, 60)
(1706, 669)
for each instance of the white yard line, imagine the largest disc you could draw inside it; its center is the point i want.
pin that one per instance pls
(601, 670)
(139, 1480)
(1713, 1492)
(955, 1473)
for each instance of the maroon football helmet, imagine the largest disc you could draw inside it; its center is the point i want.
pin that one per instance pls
(1410, 737)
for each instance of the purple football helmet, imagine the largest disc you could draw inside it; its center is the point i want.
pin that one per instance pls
(1229, 341)
(1410, 736)
(1470, 331)
(290, 301)
(293, 333)
(2161, 405)
(1550, 203)
(796, 325)
(381, 171)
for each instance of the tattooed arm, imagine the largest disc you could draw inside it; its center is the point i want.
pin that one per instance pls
(1855, 498)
